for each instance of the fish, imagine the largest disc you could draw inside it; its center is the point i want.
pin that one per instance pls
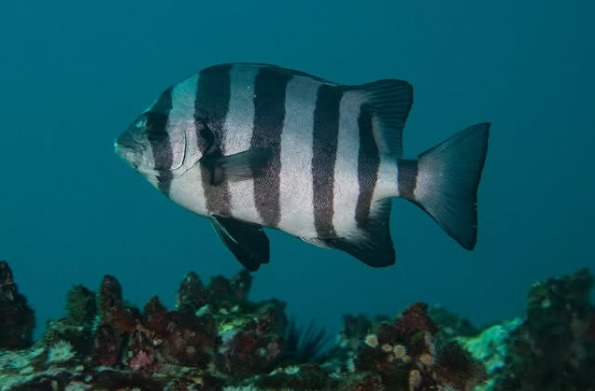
(254, 146)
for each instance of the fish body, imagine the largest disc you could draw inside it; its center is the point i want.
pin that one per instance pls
(256, 145)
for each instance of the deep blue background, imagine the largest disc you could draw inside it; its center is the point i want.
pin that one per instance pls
(73, 75)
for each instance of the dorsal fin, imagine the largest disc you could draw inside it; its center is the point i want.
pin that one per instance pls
(390, 101)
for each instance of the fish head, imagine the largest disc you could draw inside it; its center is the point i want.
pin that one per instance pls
(153, 144)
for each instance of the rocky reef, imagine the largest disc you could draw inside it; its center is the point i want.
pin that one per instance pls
(217, 339)
(551, 348)
(17, 320)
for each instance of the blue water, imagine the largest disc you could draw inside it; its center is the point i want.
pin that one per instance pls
(74, 74)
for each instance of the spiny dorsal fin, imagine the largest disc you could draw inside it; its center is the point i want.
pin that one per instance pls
(390, 101)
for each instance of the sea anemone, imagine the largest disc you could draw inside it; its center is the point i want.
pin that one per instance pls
(427, 359)
(399, 351)
(371, 340)
(386, 347)
(60, 351)
(414, 379)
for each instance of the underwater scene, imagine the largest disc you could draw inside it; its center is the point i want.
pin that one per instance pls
(312, 195)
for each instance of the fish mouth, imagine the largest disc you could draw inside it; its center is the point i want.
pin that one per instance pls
(126, 143)
(128, 149)
(122, 151)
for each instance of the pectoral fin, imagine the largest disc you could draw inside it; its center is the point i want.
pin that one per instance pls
(236, 167)
(246, 241)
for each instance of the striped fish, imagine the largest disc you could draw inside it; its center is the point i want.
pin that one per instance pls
(254, 145)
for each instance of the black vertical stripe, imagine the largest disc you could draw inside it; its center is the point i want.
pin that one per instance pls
(270, 86)
(159, 139)
(325, 140)
(407, 178)
(368, 163)
(210, 110)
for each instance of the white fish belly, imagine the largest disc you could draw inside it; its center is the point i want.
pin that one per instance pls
(187, 191)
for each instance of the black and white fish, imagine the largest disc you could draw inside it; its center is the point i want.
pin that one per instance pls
(254, 145)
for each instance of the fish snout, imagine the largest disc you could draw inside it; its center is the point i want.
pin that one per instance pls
(129, 148)
(126, 141)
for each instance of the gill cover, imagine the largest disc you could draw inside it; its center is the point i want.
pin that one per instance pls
(165, 136)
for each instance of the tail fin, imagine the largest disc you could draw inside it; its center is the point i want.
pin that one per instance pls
(447, 180)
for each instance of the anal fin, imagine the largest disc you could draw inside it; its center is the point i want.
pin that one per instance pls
(247, 242)
(315, 242)
(371, 243)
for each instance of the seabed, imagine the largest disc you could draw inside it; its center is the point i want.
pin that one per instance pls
(217, 339)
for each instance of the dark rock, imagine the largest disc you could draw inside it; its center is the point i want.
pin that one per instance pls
(17, 319)
(191, 294)
(553, 349)
(81, 305)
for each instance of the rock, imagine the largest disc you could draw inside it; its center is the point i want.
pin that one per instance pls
(17, 319)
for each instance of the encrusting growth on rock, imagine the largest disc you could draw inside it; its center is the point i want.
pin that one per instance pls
(217, 339)
(552, 347)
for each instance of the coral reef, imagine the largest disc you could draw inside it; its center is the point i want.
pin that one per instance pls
(217, 339)
(551, 348)
(407, 353)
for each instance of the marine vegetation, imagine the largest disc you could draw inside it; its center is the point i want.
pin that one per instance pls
(217, 339)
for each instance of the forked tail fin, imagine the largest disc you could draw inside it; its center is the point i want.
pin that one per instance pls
(444, 181)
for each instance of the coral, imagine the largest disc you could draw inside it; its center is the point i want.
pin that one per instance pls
(354, 326)
(304, 377)
(78, 326)
(217, 339)
(192, 294)
(213, 328)
(450, 324)
(407, 355)
(490, 346)
(80, 305)
(17, 319)
(552, 348)
(251, 344)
